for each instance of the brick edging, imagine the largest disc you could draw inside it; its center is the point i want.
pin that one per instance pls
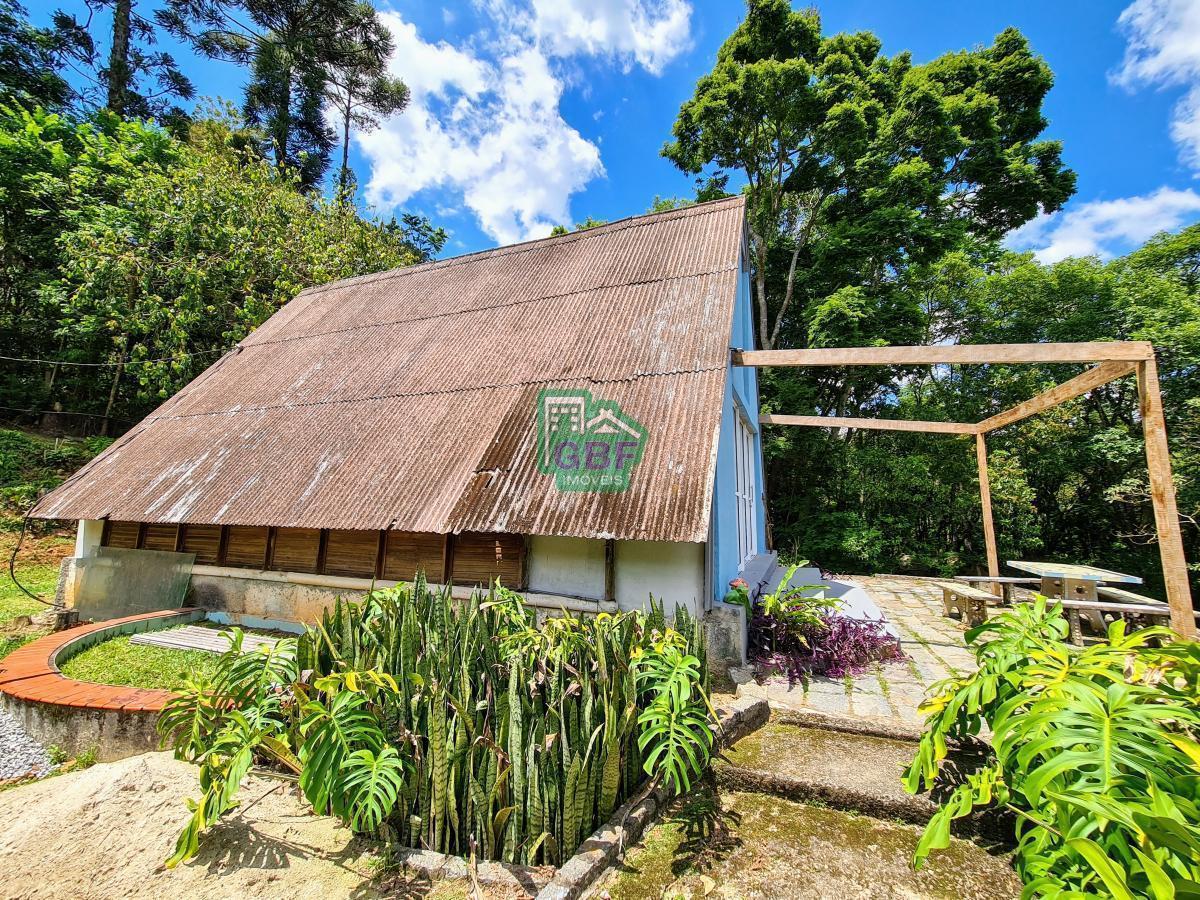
(31, 672)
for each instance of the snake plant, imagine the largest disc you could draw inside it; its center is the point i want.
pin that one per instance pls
(458, 726)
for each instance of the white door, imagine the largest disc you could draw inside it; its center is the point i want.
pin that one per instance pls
(745, 463)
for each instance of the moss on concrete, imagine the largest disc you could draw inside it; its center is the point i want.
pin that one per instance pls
(758, 846)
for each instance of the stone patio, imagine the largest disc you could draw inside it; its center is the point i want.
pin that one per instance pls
(888, 697)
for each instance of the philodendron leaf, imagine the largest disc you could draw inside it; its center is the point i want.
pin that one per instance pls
(1112, 877)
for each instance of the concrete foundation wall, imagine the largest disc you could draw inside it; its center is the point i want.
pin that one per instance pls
(110, 735)
(251, 601)
(566, 565)
(673, 573)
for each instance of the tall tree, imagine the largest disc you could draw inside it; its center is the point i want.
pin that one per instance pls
(858, 166)
(361, 96)
(29, 60)
(135, 80)
(293, 48)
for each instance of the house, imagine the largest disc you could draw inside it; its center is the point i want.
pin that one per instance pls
(560, 414)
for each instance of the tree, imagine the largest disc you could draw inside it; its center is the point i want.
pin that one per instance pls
(28, 61)
(292, 47)
(858, 166)
(124, 246)
(119, 81)
(587, 223)
(360, 89)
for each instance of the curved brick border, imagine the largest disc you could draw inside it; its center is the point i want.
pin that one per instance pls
(31, 673)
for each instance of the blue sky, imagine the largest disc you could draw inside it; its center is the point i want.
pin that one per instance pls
(531, 113)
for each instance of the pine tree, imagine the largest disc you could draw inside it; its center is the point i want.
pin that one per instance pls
(295, 49)
(136, 81)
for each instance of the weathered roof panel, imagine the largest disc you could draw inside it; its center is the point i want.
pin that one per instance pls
(408, 399)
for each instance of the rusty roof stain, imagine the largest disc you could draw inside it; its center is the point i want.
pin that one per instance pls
(407, 399)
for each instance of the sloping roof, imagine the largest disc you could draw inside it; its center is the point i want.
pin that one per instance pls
(407, 399)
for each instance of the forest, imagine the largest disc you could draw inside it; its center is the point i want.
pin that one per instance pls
(143, 232)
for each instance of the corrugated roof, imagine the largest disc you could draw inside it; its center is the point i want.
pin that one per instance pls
(408, 399)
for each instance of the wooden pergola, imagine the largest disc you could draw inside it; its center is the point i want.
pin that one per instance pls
(1111, 361)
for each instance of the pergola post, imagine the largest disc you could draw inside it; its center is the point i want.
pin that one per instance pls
(1162, 494)
(985, 503)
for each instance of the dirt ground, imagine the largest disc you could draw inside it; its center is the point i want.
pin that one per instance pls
(104, 833)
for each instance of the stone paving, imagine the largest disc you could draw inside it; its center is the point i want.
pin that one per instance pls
(891, 694)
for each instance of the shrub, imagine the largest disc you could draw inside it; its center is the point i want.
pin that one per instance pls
(797, 632)
(1095, 751)
(459, 727)
(833, 646)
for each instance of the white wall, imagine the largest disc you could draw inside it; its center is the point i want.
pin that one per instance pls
(88, 536)
(673, 573)
(566, 565)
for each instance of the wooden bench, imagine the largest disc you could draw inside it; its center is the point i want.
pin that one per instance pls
(1136, 612)
(1007, 583)
(1120, 595)
(971, 602)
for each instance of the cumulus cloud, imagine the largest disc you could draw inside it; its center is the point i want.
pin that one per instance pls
(631, 31)
(1105, 228)
(488, 130)
(1163, 50)
(484, 124)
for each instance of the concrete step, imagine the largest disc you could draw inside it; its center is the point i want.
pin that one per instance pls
(850, 771)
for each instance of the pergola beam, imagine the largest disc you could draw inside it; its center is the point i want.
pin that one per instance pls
(949, 354)
(877, 424)
(985, 503)
(1162, 495)
(1068, 390)
(1116, 360)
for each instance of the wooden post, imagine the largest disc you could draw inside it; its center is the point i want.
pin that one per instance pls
(985, 502)
(1162, 493)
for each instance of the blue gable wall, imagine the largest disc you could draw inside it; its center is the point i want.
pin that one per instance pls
(741, 391)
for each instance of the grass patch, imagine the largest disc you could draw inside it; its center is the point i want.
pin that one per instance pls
(14, 641)
(117, 661)
(37, 567)
(40, 578)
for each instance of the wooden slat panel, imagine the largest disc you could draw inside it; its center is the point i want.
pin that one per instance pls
(480, 558)
(246, 547)
(122, 534)
(204, 541)
(351, 553)
(160, 537)
(411, 551)
(296, 549)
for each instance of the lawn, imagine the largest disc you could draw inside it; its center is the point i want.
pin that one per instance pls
(117, 661)
(37, 568)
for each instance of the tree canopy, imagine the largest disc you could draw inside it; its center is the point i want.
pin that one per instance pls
(148, 256)
(859, 166)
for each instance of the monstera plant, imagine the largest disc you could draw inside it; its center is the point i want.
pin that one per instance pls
(1094, 750)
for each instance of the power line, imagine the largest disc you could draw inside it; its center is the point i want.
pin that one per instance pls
(110, 365)
(64, 412)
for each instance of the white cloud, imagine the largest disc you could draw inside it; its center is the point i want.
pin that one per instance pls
(483, 124)
(1106, 228)
(1163, 49)
(648, 33)
(489, 130)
